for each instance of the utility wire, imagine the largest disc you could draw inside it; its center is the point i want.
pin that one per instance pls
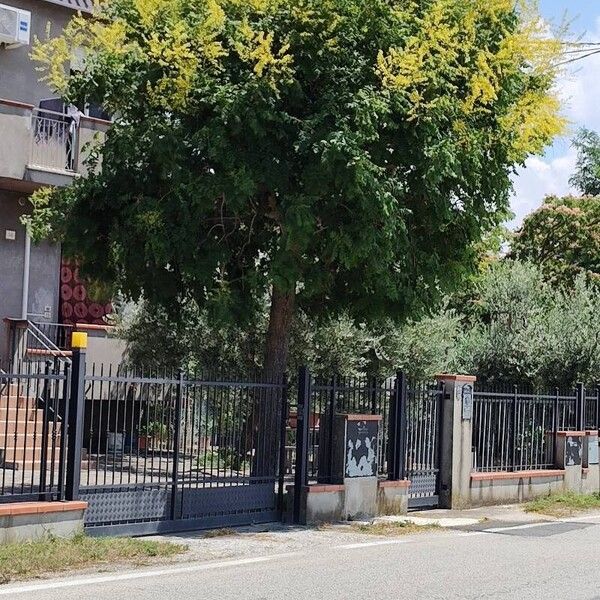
(578, 58)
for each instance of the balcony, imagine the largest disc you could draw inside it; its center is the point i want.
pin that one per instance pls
(41, 147)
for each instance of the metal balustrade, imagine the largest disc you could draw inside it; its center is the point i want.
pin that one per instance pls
(53, 141)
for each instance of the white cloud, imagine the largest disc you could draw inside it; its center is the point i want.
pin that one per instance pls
(539, 178)
(579, 90)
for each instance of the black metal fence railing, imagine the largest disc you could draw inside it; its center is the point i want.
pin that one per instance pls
(592, 408)
(409, 432)
(180, 447)
(345, 395)
(33, 405)
(136, 422)
(515, 430)
(423, 432)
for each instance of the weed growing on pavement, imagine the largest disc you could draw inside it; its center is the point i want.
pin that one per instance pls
(564, 504)
(22, 560)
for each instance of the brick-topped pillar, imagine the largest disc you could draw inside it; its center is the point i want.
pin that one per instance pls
(569, 456)
(456, 440)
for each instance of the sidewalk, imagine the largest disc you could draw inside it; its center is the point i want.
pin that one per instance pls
(261, 540)
(513, 513)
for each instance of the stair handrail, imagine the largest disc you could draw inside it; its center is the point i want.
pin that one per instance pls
(47, 343)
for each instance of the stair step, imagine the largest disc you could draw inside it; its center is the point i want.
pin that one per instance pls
(27, 454)
(12, 401)
(21, 413)
(29, 427)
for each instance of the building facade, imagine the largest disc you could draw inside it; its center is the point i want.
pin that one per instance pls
(41, 144)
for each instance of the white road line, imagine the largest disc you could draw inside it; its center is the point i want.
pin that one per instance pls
(83, 581)
(369, 544)
(514, 527)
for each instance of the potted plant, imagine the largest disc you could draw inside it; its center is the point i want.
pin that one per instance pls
(150, 433)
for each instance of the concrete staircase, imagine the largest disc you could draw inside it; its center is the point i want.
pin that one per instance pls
(22, 432)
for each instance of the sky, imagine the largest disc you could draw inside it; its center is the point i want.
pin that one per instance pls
(579, 90)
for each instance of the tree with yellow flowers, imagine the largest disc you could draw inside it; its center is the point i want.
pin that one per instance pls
(327, 154)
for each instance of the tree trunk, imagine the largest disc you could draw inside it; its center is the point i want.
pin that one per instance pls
(278, 334)
(269, 400)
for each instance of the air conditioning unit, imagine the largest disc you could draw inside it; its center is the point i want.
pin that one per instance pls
(15, 26)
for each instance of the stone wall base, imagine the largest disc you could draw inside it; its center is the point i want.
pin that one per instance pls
(27, 521)
(359, 498)
(501, 488)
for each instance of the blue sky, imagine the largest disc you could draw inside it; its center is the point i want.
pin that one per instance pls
(579, 90)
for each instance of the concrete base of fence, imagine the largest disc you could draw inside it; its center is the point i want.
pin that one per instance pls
(392, 497)
(319, 504)
(357, 498)
(360, 497)
(590, 480)
(25, 521)
(503, 487)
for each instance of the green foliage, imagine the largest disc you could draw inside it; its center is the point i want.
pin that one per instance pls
(155, 429)
(223, 458)
(349, 151)
(563, 238)
(564, 504)
(331, 345)
(420, 348)
(520, 329)
(513, 327)
(587, 174)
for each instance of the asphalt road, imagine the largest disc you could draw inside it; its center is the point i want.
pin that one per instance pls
(559, 560)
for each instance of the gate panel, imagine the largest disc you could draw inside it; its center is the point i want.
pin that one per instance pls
(254, 499)
(168, 454)
(33, 406)
(122, 506)
(423, 421)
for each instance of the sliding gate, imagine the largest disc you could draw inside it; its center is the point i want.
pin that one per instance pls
(171, 453)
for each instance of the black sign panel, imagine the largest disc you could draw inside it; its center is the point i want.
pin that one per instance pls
(572, 451)
(361, 448)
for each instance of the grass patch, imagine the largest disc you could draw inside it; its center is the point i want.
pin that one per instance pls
(392, 529)
(22, 560)
(565, 504)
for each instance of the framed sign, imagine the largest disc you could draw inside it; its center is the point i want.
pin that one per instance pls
(467, 402)
(361, 448)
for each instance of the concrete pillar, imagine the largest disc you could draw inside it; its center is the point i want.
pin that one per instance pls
(569, 456)
(456, 441)
(591, 468)
(355, 462)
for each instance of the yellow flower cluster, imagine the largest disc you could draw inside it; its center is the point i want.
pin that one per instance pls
(179, 47)
(442, 51)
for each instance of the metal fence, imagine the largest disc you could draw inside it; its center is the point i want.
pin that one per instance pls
(151, 450)
(33, 412)
(515, 430)
(165, 447)
(343, 395)
(592, 408)
(54, 141)
(409, 432)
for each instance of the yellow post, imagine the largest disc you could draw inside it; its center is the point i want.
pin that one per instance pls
(79, 340)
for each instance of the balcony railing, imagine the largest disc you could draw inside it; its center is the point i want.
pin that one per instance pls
(54, 141)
